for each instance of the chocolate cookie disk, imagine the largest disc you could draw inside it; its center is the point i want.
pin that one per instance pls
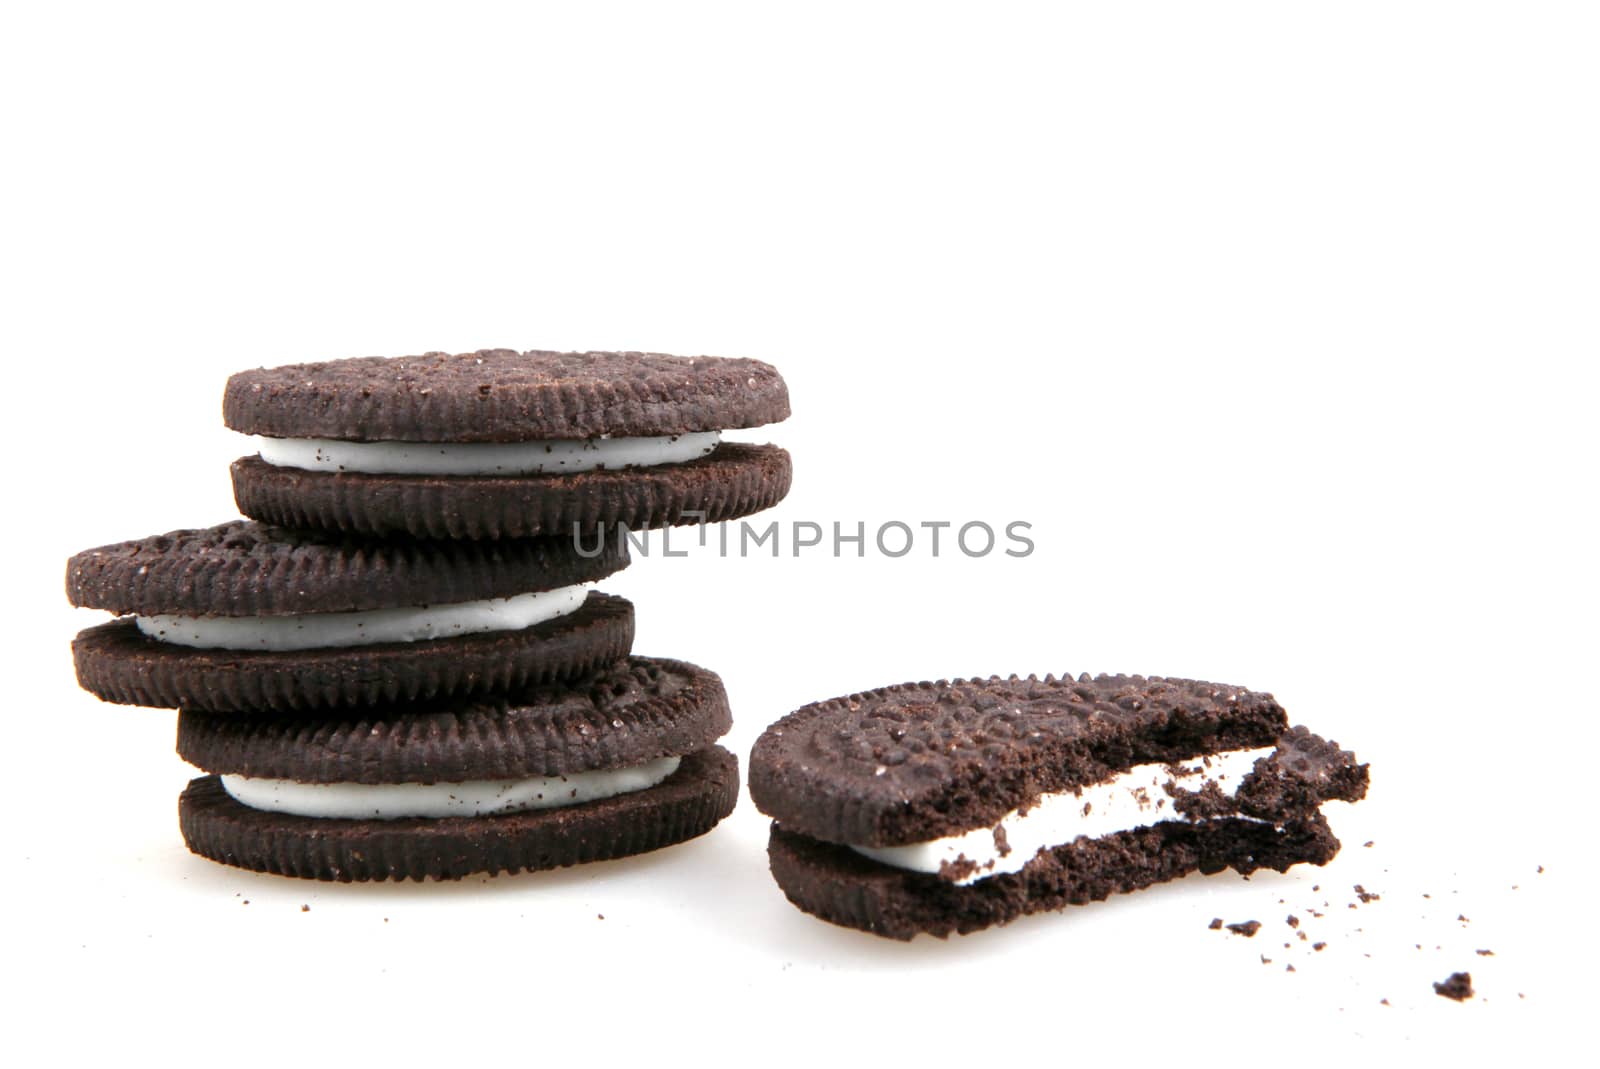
(117, 663)
(734, 480)
(252, 569)
(952, 806)
(628, 713)
(922, 760)
(501, 444)
(839, 885)
(501, 395)
(248, 618)
(689, 803)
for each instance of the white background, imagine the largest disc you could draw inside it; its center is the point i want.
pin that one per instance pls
(1277, 322)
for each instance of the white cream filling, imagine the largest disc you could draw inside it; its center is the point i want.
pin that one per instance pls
(1132, 799)
(473, 798)
(332, 629)
(484, 458)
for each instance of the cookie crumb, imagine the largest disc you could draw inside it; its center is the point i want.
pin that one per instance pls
(304, 908)
(1318, 946)
(600, 916)
(1458, 986)
(1367, 844)
(1485, 953)
(1365, 895)
(1248, 929)
(1216, 922)
(1292, 921)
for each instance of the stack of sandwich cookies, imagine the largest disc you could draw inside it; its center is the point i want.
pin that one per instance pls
(409, 678)
(953, 806)
(501, 444)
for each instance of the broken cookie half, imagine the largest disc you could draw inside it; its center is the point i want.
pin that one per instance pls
(957, 805)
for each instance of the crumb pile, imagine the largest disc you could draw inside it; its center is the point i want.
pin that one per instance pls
(1306, 920)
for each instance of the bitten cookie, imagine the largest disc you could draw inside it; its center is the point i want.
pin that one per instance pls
(620, 762)
(502, 444)
(245, 618)
(953, 806)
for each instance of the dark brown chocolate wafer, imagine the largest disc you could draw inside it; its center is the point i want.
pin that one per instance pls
(119, 664)
(501, 395)
(689, 803)
(734, 480)
(251, 569)
(839, 885)
(1302, 773)
(629, 713)
(923, 760)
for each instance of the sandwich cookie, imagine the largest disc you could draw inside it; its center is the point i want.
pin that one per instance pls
(244, 617)
(953, 806)
(502, 444)
(618, 763)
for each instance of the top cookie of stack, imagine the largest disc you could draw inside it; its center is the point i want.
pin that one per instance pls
(501, 444)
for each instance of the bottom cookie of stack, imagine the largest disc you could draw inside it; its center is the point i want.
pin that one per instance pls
(618, 763)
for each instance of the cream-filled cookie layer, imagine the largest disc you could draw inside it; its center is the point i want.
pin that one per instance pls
(474, 798)
(332, 629)
(484, 458)
(1132, 799)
